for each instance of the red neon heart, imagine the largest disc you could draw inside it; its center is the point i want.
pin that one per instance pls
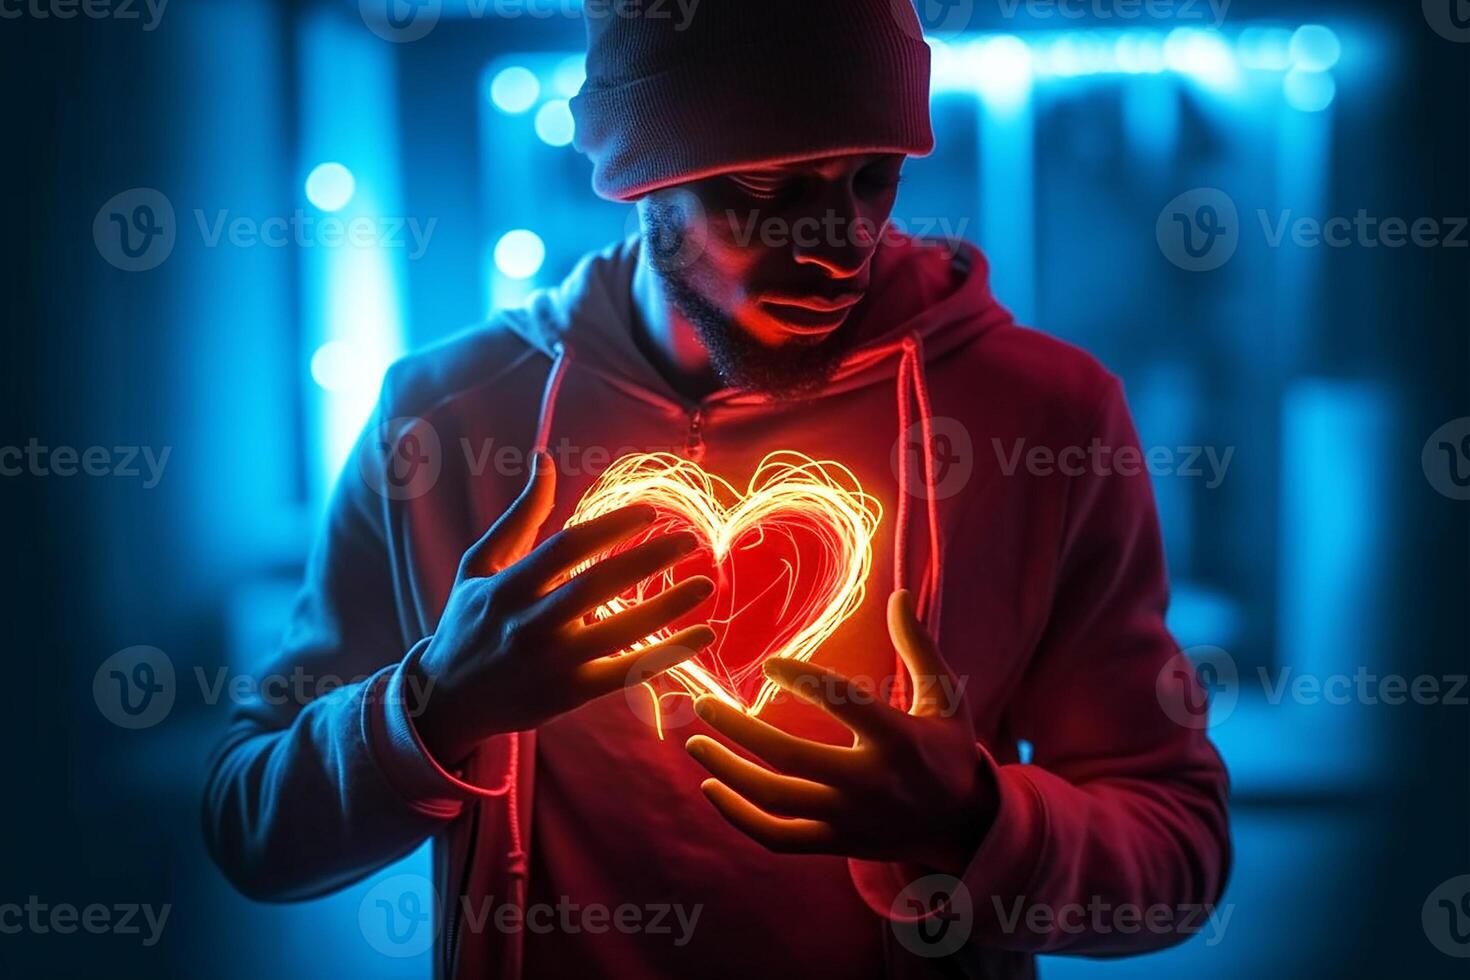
(789, 556)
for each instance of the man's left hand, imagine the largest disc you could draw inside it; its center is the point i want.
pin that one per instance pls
(911, 787)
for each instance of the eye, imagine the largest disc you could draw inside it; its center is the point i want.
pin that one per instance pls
(765, 186)
(883, 177)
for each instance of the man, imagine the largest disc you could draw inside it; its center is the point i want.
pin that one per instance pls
(807, 838)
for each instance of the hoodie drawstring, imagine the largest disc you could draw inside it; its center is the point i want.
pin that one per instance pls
(913, 391)
(517, 863)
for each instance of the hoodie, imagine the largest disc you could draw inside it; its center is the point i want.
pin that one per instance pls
(1037, 564)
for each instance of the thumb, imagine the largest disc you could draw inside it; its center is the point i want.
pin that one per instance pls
(511, 537)
(926, 666)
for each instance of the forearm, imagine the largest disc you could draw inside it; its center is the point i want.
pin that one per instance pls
(1117, 865)
(296, 811)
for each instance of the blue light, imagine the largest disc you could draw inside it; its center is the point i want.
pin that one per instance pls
(1139, 52)
(1003, 71)
(1315, 48)
(1309, 91)
(554, 123)
(567, 79)
(519, 254)
(514, 89)
(1264, 48)
(337, 366)
(330, 186)
(1203, 55)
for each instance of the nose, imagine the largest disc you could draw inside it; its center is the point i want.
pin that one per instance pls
(844, 240)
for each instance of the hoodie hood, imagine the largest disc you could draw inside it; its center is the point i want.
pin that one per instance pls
(935, 291)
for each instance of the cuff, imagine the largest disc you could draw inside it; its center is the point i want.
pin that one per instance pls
(1002, 865)
(399, 750)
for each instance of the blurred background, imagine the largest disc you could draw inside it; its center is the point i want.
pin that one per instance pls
(225, 219)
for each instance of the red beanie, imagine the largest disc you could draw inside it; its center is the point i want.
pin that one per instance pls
(682, 89)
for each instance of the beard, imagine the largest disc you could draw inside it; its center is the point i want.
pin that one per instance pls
(796, 369)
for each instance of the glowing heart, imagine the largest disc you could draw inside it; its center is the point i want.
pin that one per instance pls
(789, 557)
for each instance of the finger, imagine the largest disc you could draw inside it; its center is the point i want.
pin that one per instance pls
(773, 833)
(919, 654)
(859, 710)
(782, 752)
(613, 576)
(786, 796)
(571, 546)
(622, 630)
(511, 537)
(603, 676)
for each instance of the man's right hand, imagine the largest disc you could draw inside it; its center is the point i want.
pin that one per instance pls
(512, 651)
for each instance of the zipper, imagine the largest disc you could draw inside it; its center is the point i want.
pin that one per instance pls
(451, 946)
(694, 440)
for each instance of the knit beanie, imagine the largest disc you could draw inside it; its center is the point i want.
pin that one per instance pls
(677, 90)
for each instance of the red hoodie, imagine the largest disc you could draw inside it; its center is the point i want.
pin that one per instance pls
(1044, 585)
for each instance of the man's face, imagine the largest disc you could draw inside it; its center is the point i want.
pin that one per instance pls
(768, 264)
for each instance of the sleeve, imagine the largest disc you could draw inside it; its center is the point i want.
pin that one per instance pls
(1114, 839)
(319, 779)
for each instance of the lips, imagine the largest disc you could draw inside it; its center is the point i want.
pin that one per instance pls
(810, 313)
(814, 302)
